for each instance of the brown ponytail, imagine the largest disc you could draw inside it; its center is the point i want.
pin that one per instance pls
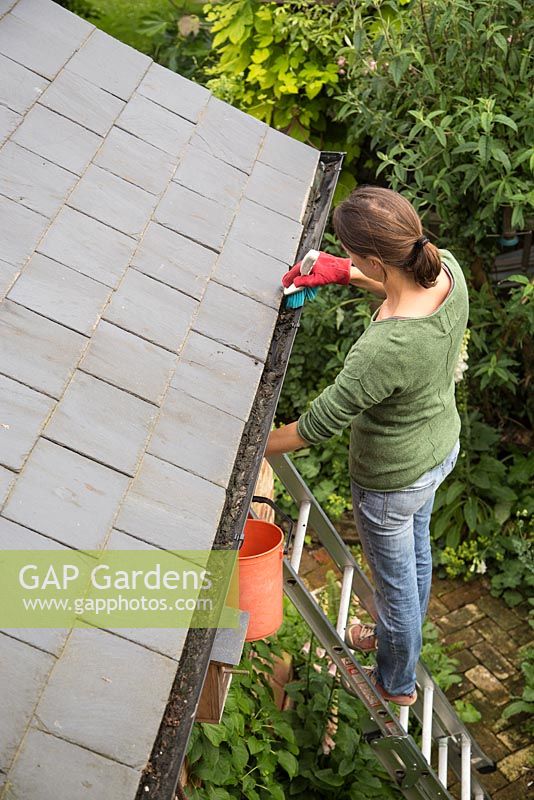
(380, 223)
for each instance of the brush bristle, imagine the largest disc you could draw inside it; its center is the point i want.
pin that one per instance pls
(298, 299)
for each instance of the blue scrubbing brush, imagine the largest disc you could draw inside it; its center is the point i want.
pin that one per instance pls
(296, 296)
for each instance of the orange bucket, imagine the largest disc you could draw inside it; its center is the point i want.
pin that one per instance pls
(261, 574)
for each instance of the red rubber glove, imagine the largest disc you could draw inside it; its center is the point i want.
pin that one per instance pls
(327, 269)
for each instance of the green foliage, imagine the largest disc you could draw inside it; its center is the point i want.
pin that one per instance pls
(258, 752)
(120, 18)
(444, 94)
(278, 63)
(311, 750)
(173, 32)
(525, 703)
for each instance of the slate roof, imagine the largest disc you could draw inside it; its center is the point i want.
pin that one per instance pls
(145, 226)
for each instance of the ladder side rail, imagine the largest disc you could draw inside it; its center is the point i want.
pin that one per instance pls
(329, 537)
(395, 749)
(445, 721)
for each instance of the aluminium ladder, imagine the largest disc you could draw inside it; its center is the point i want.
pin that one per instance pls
(387, 733)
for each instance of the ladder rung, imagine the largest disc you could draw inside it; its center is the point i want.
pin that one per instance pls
(443, 749)
(427, 722)
(298, 541)
(404, 713)
(466, 767)
(344, 603)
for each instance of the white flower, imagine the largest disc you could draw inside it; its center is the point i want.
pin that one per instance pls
(320, 652)
(306, 648)
(461, 366)
(481, 566)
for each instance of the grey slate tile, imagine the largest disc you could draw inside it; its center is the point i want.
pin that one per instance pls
(82, 102)
(151, 310)
(6, 481)
(60, 293)
(22, 677)
(20, 88)
(8, 273)
(24, 42)
(136, 161)
(5, 5)
(113, 201)
(174, 260)
(57, 138)
(66, 496)
(129, 362)
(280, 192)
(289, 155)
(229, 134)
(88, 246)
(171, 508)
(39, 772)
(236, 320)
(250, 272)
(23, 412)
(168, 641)
(8, 122)
(53, 19)
(210, 177)
(16, 537)
(197, 437)
(197, 217)
(107, 694)
(267, 231)
(217, 375)
(36, 351)
(110, 64)
(173, 91)
(20, 231)
(156, 125)
(102, 422)
(32, 181)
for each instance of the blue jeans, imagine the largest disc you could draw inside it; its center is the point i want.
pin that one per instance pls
(395, 537)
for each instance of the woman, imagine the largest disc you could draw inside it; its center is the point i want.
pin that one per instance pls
(396, 390)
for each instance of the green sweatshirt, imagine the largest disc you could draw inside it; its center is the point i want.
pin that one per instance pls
(396, 390)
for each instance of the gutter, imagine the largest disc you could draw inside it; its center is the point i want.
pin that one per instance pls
(160, 779)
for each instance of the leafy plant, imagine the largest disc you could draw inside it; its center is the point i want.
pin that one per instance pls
(525, 703)
(277, 62)
(259, 752)
(444, 95)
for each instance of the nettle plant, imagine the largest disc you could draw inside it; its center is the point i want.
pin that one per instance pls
(444, 92)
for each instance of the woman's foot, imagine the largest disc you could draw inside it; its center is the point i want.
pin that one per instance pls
(360, 636)
(398, 699)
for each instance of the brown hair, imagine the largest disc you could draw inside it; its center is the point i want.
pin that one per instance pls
(380, 223)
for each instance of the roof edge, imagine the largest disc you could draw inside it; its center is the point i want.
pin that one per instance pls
(161, 775)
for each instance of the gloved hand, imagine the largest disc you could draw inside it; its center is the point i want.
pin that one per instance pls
(327, 269)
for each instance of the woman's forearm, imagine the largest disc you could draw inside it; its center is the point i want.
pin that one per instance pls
(357, 278)
(284, 440)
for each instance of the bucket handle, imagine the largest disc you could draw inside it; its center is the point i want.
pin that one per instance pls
(259, 499)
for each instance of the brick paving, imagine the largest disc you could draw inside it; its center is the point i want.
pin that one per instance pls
(490, 634)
